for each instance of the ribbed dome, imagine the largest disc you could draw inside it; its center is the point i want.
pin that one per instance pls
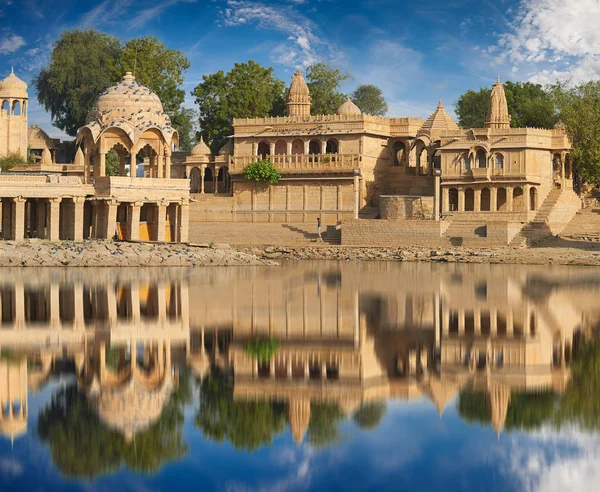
(439, 121)
(298, 85)
(349, 108)
(131, 106)
(201, 148)
(13, 86)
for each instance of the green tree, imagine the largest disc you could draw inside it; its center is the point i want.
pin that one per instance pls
(247, 425)
(324, 82)
(263, 171)
(529, 105)
(183, 121)
(249, 90)
(369, 416)
(579, 109)
(113, 163)
(10, 161)
(82, 65)
(370, 100)
(323, 428)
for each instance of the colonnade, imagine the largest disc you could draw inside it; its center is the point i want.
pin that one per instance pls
(303, 366)
(505, 198)
(215, 170)
(159, 164)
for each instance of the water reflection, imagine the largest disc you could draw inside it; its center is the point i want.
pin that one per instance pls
(515, 346)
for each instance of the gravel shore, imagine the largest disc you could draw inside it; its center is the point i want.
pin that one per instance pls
(120, 254)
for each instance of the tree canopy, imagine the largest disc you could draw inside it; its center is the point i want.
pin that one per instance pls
(370, 100)
(529, 105)
(370, 415)
(248, 90)
(324, 82)
(84, 63)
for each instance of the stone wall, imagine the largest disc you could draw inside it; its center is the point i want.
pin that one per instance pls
(405, 207)
(392, 233)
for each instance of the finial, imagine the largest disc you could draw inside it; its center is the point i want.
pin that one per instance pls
(498, 80)
(12, 70)
(440, 104)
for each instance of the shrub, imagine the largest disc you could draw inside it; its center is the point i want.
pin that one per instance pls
(10, 161)
(263, 171)
(262, 349)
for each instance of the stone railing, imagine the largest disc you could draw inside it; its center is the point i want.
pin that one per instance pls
(298, 162)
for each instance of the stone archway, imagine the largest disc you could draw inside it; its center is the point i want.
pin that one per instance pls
(452, 200)
(264, 149)
(469, 200)
(195, 180)
(501, 205)
(518, 200)
(280, 147)
(297, 147)
(485, 200)
(533, 198)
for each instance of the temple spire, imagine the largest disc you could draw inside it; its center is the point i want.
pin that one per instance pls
(498, 116)
(298, 103)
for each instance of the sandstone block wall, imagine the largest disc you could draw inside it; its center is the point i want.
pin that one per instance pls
(393, 233)
(406, 207)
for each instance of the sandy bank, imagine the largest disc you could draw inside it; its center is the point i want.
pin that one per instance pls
(118, 254)
(555, 251)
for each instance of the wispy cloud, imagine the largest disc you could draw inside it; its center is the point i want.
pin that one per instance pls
(109, 9)
(10, 44)
(146, 15)
(303, 45)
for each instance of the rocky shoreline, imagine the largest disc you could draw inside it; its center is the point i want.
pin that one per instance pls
(96, 253)
(549, 254)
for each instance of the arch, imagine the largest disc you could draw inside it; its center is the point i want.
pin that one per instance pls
(557, 166)
(481, 158)
(6, 106)
(280, 147)
(466, 162)
(436, 160)
(533, 198)
(314, 146)
(120, 136)
(499, 161)
(264, 149)
(518, 200)
(422, 163)
(222, 179)
(195, 180)
(469, 200)
(332, 146)
(208, 180)
(298, 147)
(501, 200)
(399, 153)
(453, 199)
(485, 200)
(16, 108)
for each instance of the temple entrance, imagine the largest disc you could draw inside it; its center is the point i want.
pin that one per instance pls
(195, 180)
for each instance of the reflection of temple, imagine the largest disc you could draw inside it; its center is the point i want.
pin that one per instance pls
(348, 334)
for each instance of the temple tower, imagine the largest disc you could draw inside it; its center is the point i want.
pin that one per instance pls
(298, 103)
(498, 116)
(13, 116)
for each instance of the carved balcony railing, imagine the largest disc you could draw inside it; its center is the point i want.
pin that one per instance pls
(298, 163)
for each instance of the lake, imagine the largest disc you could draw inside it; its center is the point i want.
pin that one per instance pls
(306, 376)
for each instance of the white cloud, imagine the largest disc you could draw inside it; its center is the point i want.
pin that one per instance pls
(302, 47)
(10, 44)
(10, 467)
(557, 38)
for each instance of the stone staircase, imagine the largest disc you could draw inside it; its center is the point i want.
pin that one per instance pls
(556, 212)
(585, 225)
(369, 213)
(466, 233)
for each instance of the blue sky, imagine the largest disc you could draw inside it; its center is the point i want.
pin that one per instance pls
(417, 52)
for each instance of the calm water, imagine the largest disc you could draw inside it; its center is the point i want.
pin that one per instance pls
(321, 376)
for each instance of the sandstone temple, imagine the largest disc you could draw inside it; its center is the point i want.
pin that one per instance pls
(371, 180)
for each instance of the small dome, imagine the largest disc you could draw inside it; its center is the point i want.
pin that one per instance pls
(13, 86)
(298, 85)
(201, 148)
(349, 108)
(79, 157)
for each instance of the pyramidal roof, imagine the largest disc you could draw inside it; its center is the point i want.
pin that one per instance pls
(439, 120)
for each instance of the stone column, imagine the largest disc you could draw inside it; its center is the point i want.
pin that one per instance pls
(477, 207)
(436, 198)
(183, 222)
(167, 166)
(161, 222)
(323, 147)
(151, 169)
(18, 219)
(493, 199)
(102, 164)
(445, 200)
(289, 147)
(133, 224)
(86, 165)
(461, 199)
(41, 209)
(78, 315)
(306, 147)
(78, 218)
(110, 219)
(509, 199)
(122, 164)
(461, 322)
(272, 148)
(356, 195)
(216, 180)
(526, 198)
(54, 222)
(132, 165)
(54, 305)
(202, 174)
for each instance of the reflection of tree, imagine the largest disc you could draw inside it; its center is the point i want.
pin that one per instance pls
(247, 425)
(369, 415)
(323, 429)
(581, 401)
(82, 446)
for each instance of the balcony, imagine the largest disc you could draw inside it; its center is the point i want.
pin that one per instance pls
(300, 163)
(479, 173)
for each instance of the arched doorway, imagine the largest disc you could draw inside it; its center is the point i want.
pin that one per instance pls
(481, 158)
(436, 160)
(280, 147)
(485, 200)
(314, 147)
(298, 147)
(399, 151)
(466, 161)
(469, 200)
(195, 180)
(557, 169)
(209, 184)
(533, 198)
(453, 199)
(264, 149)
(518, 200)
(223, 180)
(499, 161)
(332, 146)
(501, 200)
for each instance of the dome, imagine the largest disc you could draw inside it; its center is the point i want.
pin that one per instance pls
(349, 108)
(298, 85)
(13, 86)
(201, 148)
(130, 106)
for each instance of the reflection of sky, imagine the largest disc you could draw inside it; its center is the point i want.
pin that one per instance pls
(412, 448)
